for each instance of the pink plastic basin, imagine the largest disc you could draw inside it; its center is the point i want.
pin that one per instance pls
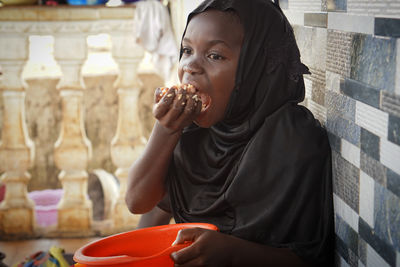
(46, 205)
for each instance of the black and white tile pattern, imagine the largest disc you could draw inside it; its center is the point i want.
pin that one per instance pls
(353, 51)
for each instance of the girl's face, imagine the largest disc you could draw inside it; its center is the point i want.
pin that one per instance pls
(210, 55)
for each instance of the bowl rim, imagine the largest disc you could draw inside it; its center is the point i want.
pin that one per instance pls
(79, 256)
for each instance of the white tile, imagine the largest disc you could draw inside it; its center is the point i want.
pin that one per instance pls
(344, 211)
(294, 17)
(367, 189)
(343, 263)
(350, 152)
(332, 81)
(390, 155)
(351, 23)
(372, 119)
(318, 111)
(308, 88)
(374, 259)
(318, 48)
(397, 81)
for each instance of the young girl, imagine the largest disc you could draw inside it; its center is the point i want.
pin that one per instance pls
(235, 149)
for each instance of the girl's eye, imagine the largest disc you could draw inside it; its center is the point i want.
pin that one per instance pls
(215, 56)
(185, 50)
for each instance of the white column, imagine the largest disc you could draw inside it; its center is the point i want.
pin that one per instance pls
(16, 148)
(128, 141)
(73, 148)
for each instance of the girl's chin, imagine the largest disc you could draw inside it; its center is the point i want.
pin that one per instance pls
(202, 120)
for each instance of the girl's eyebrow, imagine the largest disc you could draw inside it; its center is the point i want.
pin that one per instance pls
(214, 42)
(211, 42)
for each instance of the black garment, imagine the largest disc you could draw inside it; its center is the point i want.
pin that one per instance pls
(263, 173)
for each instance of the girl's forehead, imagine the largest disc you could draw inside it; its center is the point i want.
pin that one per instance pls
(214, 23)
(218, 17)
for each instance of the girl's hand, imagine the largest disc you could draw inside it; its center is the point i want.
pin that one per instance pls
(177, 107)
(209, 248)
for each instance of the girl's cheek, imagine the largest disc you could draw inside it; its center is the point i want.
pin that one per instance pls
(180, 73)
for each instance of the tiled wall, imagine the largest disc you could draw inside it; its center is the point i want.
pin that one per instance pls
(352, 48)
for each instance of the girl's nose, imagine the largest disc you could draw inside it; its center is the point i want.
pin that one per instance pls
(192, 67)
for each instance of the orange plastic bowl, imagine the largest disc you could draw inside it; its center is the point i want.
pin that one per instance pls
(145, 247)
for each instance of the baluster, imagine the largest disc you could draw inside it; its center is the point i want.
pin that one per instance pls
(16, 149)
(73, 148)
(128, 141)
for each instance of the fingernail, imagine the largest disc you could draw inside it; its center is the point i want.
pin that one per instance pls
(174, 243)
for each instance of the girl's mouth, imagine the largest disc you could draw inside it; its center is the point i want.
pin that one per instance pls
(206, 101)
(205, 98)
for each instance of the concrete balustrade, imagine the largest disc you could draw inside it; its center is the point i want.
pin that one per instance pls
(70, 27)
(127, 143)
(73, 149)
(16, 148)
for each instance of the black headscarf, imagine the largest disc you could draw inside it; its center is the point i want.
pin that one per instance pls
(263, 173)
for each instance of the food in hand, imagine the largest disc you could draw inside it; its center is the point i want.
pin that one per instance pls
(197, 95)
(163, 90)
(189, 87)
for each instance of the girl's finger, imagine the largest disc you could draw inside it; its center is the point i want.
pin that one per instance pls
(161, 107)
(187, 256)
(158, 93)
(191, 263)
(191, 104)
(188, 234)
(188, 253)
(178, 104)
(191, 110)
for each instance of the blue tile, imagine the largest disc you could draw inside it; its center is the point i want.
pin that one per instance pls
(390, 103)
(394, 129)
(373, 61)
(381, 247)
(284, 4)
(342, 249)
(362, 250)
(346, 180)
(360, 91)
(340, 105)
(387, 27)
(387, 216)
(337, 5)
(393, 182)
(373, 168)
(343, 128)
(334, 141)
(369, 143)
(346, 234)
(353, 258)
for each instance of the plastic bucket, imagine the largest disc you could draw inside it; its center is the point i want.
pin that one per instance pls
(46, 202)
(147, 247)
